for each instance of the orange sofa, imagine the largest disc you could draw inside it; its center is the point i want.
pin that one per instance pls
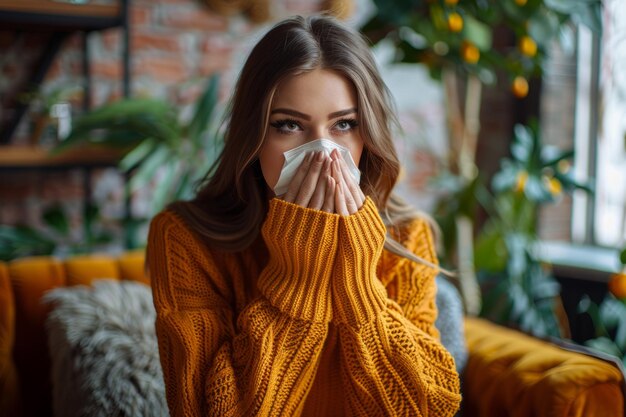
(507, 373)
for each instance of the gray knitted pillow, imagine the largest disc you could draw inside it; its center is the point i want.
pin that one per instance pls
(105, 359)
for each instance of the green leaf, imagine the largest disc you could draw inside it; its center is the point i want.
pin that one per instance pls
(524, 136)
(478, 33)
(543, 27)
(551, 155)
(56, 219)
(396, 13)
(20, 241)
(137, 155)
(490, 252)
(516, 244)
(506, 178)
(622, 257)
(125, 121)
(204, 109)
(620, 333)
(148, 168)
(520, 302)
(569, 182)
(535, 190)
(606, 345)
(612, 312)
(164, 192)
(521, 153)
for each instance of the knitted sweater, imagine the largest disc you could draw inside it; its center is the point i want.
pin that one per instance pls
(313, 319)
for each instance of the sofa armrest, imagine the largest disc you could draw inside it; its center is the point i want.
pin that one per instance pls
(511, 373)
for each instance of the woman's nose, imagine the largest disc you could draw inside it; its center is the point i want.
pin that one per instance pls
(318, 132)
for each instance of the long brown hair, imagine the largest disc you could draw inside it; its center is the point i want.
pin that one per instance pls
(231, 201)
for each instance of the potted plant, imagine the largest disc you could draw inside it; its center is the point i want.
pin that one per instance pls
(158, 141)
(518, 288)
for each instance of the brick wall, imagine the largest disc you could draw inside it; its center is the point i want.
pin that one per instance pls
(173, 42)
(558, 106)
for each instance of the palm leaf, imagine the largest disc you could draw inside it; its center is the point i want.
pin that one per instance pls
(204, 109)
(125, 120)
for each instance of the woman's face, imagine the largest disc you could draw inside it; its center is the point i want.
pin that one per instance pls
(317, 104)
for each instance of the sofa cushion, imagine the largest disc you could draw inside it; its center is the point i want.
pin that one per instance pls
(9, 389)
(104, 350)
(30, 279)
(508, 370)
(82, 270)
(131, 265)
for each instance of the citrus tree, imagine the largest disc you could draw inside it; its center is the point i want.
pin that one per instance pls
(460, 41)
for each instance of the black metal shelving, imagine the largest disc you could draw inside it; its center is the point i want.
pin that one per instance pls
(60, 20)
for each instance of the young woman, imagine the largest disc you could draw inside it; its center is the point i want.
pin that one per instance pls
(288, 305)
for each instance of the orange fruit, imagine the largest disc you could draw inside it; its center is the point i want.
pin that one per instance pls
(553, 185)
(617, 285)
(520, 2)
(455, 22)
(519, 87)
(527, 46)
(451, 2)
(564, 166)
(522, 179)
(469, 52)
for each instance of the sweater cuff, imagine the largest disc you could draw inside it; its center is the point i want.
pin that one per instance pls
(302, 244)
(358, 295)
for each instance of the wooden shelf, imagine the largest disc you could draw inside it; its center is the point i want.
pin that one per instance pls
(36, 14)
(29, 157)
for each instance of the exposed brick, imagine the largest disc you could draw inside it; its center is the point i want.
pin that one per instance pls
(146, 41)
(214, 63)
(193, 19)
(60, 186)
(140, 15)
(188, 94)
(166, 69)
(16, 186)
(111, 39)
(216, 44)
(54, 71)
(106, 69)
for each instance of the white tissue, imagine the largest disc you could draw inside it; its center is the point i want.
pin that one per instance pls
(295, 156)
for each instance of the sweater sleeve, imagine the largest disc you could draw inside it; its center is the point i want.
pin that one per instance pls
(263, 361)
(413, 285)
(389, 365)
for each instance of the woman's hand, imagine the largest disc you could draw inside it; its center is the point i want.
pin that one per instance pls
(348, 195)
(313, 186)
(325, 183)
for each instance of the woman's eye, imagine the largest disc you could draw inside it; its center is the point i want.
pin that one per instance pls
(286, 126)
(346, 125)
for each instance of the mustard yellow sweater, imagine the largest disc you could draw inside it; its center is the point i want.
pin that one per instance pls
(313, 320)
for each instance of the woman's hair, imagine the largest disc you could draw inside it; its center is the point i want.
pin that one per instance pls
(231, 202)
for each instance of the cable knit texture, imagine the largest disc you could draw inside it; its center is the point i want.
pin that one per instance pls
(313, 319)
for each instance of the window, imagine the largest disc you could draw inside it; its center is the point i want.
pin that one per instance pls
(600, 132)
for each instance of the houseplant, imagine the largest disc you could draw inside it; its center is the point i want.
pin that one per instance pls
(455, 39)
(162, 146)
(609, 318)
(55, 237)
(518, 287)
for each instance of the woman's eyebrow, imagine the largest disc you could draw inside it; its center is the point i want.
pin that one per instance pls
(307, 117)
(291, 113)
(342, 113)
